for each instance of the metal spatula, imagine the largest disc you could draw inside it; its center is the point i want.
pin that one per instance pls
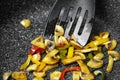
(76, 17)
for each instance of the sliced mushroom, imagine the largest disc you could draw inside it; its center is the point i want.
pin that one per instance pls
(32, 67)
(110, 45)
(62, 41)
(83, 57)
(39, 41)
(55, 75)
(98, 56)
(70, 60)
(104, 34)
(6, 75)
(59, 31)
(36, 58)
(110, 64)
(37, 78)
(95, 63)
(85, 74)
(39, 74)
(114, 54)
(49, 67)
(49, 58)
(19, 75)
(75, 44)
(50, 45)
(76, 75)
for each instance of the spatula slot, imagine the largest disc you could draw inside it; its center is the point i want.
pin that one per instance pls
(83, 22)
(75, 20)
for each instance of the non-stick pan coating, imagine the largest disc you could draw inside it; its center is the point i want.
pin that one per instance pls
(15, 40)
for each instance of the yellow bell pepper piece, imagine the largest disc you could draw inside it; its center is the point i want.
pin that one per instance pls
(70, 52)
(27, 62)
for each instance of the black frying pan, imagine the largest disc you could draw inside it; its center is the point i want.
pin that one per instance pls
(15, 40)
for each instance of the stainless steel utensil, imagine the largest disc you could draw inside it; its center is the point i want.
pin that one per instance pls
(76, 17)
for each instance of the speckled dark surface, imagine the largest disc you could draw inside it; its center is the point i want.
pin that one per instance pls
(15, 40)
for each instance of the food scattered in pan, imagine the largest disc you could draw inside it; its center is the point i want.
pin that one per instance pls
(25, 23)
(67, 51)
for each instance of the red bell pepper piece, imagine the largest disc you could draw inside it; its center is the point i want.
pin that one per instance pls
(74, 68)
(36, 49)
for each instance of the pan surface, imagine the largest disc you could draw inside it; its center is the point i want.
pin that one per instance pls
(15, 40)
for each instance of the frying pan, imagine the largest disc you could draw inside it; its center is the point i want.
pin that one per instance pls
(15, 40)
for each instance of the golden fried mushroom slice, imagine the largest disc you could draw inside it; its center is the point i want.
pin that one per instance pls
(110, 64)
(71, 60)
(62, 41)
(55, 75)
(37, 78)
(19, 75)
(48, 67)
(50, 45)
(38, 41)
(95, 63)
(110, 45)
(85, 74)
(32, 67)
(75, 44)
(59, 31)
(114, 54)
(50, 57)
(98, 56)
(39, 74)
(104, 34)
(83, 57)
(6, 75)
(76, 75)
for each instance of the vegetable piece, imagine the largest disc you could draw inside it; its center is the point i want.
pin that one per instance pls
(70, 60)
(56, 40)
(62, 54)
(48, 67)
(104, 34)
(39, 41)
(75, 44)
(97, 42)
(50, 45)
(70, 52)
(90, 55)
(85, 74)
(25, 23)
(59, 31)
(98, 56)
(64, 47)
(62, 41)
(83, 57)
(114, 54)
(36, 49)
(19, 75)
(76, 75)
(36, 58)
(87, 50)
(39, 74)
(32, 67)
(6, 75)
(111, 45)
(49, 58)
(95, 63)
(55, 75)
(97, 72)
(41, 67)
(74, 68)
(110, 64)
(37, 78)
(27, 62)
